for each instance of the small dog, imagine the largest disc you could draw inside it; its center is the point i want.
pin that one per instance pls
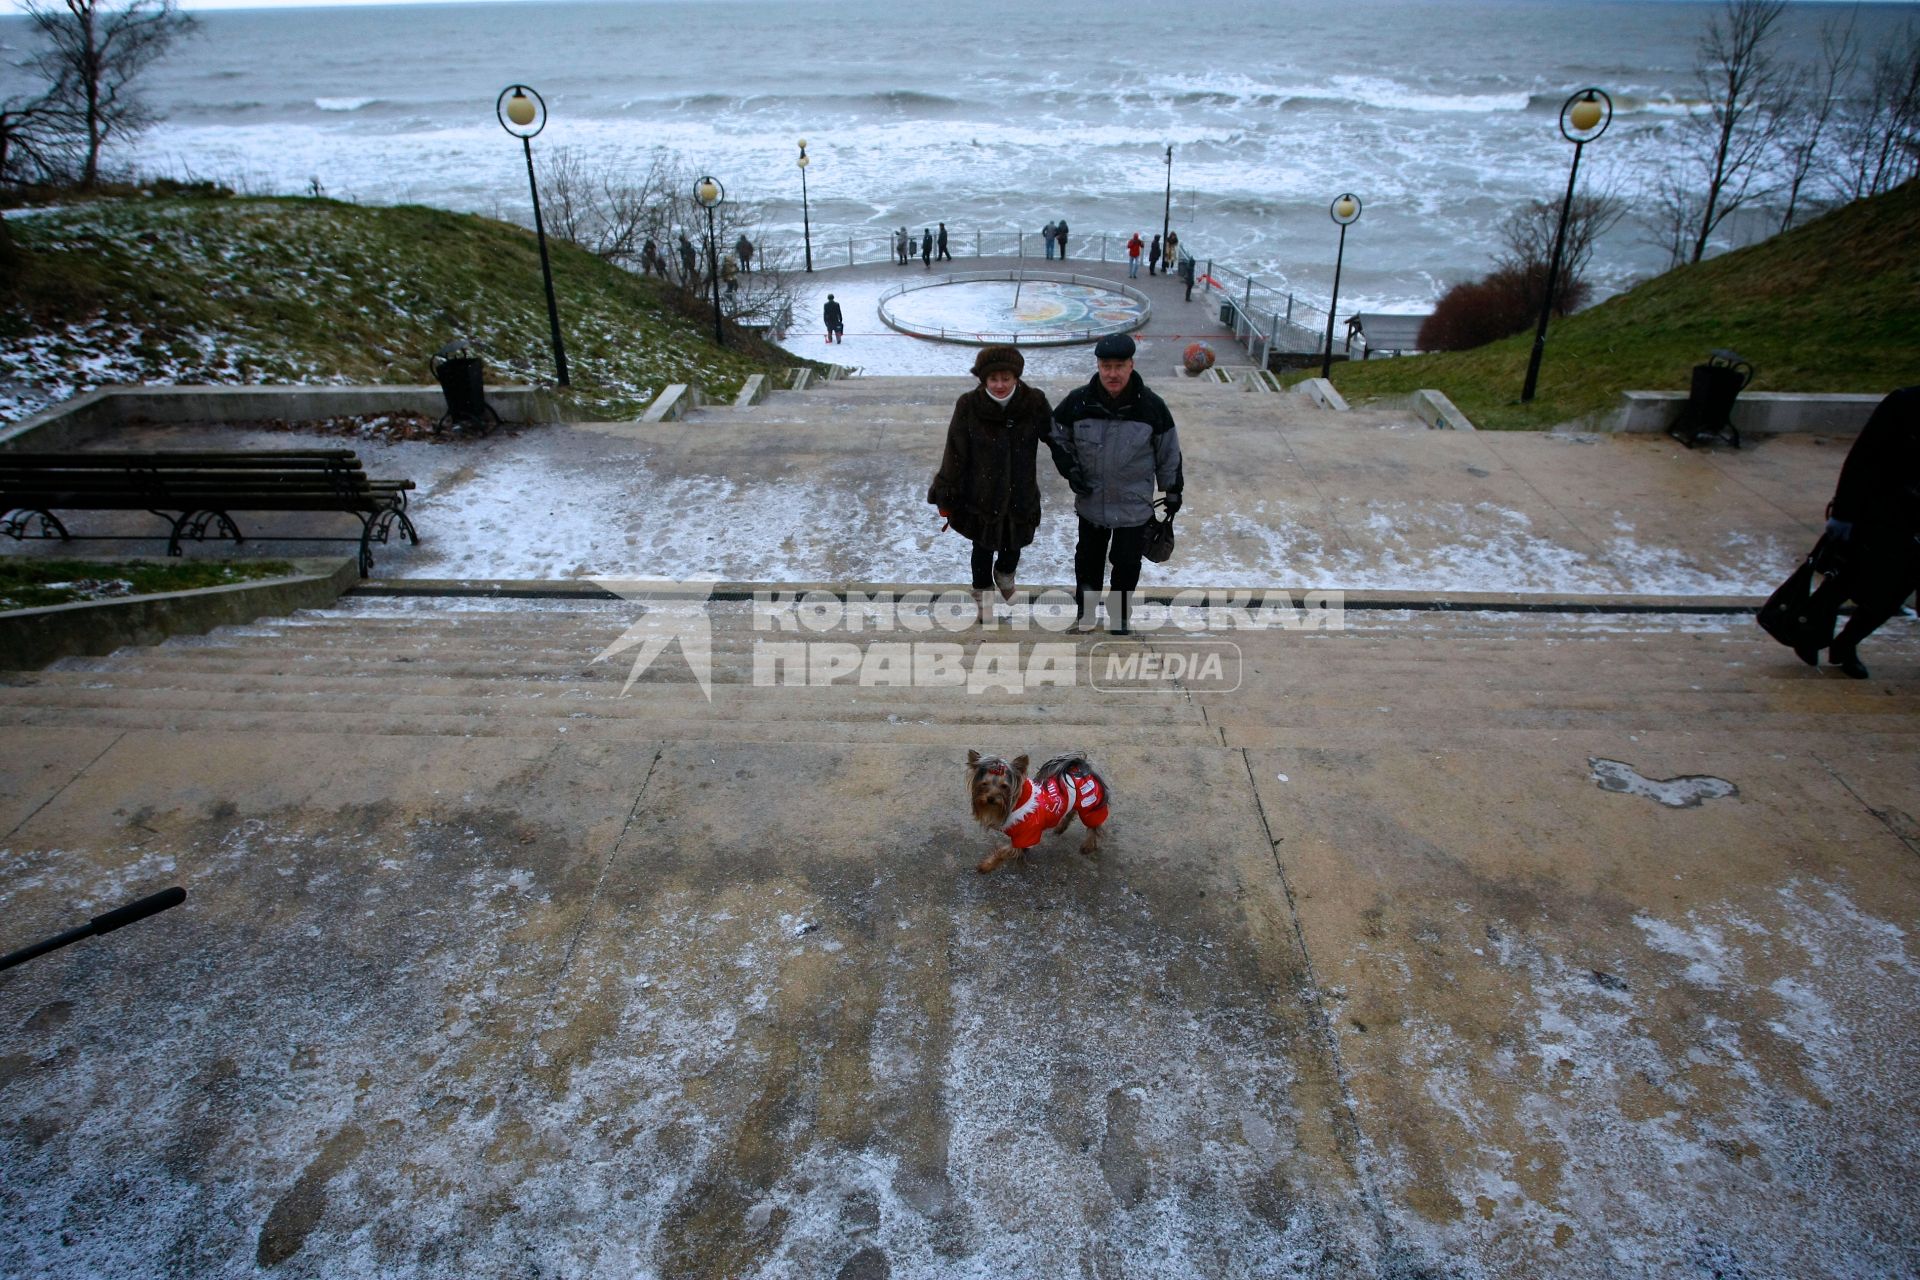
(1007, 802)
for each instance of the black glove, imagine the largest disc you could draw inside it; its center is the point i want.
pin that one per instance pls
(1842, 530)
(1172, 501)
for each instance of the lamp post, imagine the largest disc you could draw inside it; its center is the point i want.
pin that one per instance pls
(806, 222)
(524, 115)
(1345, 211)
(708, 193)
(1589, 112)
(1166, 213)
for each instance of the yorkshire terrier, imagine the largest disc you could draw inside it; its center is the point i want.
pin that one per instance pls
(1022, 809)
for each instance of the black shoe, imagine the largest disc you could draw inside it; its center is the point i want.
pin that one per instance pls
(1849, 662)
(1807, 654)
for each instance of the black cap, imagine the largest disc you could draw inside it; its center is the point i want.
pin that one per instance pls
(1115, 346)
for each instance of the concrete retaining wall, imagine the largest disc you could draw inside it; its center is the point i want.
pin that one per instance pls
(1437, 411)
(1754, 413)
(31, 638)
(66, 425)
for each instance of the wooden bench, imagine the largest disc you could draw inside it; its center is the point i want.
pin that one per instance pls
(199, 491)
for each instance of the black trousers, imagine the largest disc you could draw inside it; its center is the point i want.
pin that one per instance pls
(1099, 547)
(1877, 580)
(986, 560)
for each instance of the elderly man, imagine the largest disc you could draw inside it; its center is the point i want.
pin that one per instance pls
(1114, 441)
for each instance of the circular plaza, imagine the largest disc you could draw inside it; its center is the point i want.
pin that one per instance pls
(1015, 307)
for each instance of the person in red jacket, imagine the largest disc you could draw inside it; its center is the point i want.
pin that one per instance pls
(1134, 246)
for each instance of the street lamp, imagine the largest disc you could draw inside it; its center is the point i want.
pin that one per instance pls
(1346, 212)
(806, 223)
(524, 115)
(1583, 117)
(1166, 214)
(708, 193)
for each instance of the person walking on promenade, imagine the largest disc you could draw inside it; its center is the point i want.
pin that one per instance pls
(1047, 233)
(689, 271)
(1114, 440)
(1875, 517)
(942, 243)
(836, 325)
(986, 486)
(1173, 251)
(1133, 256)
(1153, 256)
(650, 259)
(744, 248)
(1060, 235)
(926, 247)
(900, 246)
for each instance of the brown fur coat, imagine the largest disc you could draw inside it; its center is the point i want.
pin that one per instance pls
(986, 480)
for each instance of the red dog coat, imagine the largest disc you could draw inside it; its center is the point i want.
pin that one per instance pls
(1044, 807)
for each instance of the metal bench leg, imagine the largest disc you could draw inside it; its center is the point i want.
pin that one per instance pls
(18, 521)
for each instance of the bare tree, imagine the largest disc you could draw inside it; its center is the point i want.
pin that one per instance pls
(1673, 208)
(32, 140)
(94, 52)
(1879, 140)
(1527, 235)
(1811, 100)
(1740, 83)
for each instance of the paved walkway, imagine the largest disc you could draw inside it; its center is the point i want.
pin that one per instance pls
(877, 350)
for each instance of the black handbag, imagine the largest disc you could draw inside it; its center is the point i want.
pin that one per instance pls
(1157, 546)
(1786, 616)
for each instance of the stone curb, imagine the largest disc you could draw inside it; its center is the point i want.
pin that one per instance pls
(31, 638)
(1415, 601)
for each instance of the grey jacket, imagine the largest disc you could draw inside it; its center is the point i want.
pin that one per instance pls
(1114, 452)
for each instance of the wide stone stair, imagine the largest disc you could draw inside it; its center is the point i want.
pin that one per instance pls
(533, 668)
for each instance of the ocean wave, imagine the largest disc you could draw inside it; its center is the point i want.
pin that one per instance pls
(343, 104)
(833, 105)
(1626, 103)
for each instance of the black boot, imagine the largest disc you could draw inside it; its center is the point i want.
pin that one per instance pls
(1119, 604)
(1848, 661)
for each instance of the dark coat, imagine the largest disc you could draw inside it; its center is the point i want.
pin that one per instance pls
(986, 482)
(1879, 489)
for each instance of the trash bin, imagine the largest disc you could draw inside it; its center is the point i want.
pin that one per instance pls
(1226, 312)
(463, 377)
(1707, 415)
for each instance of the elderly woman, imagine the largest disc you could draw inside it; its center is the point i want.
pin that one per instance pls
(986, 485)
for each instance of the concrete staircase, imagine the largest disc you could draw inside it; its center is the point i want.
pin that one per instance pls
(526, 668)
(1200, 401)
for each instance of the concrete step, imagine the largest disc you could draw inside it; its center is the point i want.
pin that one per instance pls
(989, 731)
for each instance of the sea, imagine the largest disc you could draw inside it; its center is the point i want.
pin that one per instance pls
(994, 116)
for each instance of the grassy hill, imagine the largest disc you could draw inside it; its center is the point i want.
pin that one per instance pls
(1830, 306)
(287, 290)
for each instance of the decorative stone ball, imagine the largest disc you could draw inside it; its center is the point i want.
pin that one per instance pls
(1199, 358)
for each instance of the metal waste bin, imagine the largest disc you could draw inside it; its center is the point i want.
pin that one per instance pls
(1707, 415)
(463, 378)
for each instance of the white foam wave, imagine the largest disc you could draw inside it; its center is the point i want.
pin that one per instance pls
(343, 104)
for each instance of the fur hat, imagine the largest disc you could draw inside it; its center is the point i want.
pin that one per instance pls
(1115, 346)
(997, 360)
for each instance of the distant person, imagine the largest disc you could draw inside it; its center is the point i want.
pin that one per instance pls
(1153, 257)
(836, 325)
(926, 247)
(900, 250)
(689, 270)
(1875, 517)
(1186, 273)
(1060, 236)
(730, 276)
(1172, 251)
(944, 255)
(986, 486)
(744, 248)
(1047, 233)
(1133, 256)
(1114, 440)
(650, 263)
